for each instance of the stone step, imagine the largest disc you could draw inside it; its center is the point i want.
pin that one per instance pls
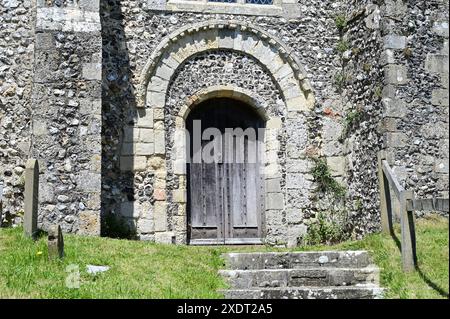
(319, 277)
(353, 292)
(297, 260)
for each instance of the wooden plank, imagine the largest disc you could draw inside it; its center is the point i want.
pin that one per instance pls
(393, 181)
(244, 241)
(236, 194)
(385, 200)
(409, 257)
(211, 204)
(196, 191)
(220, 201)
(252, 195)
(226, 241)
(442, 205)
(429, 205)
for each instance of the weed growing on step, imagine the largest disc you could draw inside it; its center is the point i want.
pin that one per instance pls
(328, 229)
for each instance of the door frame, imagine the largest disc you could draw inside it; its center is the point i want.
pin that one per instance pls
(271, 166)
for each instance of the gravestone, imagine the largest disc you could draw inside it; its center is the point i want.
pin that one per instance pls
(55, 243)
(31, 198)
(1, 202)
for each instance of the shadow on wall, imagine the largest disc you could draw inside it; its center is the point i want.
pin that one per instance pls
(118, 103)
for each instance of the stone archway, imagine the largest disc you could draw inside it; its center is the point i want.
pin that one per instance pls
(270, 170)
(175, 49)
(224, 174)
(283, 69)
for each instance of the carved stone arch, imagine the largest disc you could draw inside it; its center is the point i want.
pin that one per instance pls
(156, 149)
(281, 62)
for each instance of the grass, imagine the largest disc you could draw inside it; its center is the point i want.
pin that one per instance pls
(430, 280)
(145, 270)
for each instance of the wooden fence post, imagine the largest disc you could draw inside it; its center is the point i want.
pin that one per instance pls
(31, 198)
(385, 198)
(409, 257)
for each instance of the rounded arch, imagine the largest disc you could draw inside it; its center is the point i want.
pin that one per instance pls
(178, 47)
(273, 124)
(228, 91)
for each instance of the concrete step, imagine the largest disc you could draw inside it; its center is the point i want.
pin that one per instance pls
(319, 277)
(297, 260)
(353, 292)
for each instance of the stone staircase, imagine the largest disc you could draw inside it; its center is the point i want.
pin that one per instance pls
(301, 275)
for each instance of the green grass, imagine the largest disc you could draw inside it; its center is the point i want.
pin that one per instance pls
(430, 280)
(145, 270)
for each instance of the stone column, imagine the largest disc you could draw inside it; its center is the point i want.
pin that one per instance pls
(66, 102)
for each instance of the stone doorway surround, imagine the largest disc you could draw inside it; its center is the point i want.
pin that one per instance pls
(145, 149)
(270, 168)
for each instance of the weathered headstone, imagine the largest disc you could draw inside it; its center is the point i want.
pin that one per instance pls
(1, 202)
(31, 198)
(55, 243)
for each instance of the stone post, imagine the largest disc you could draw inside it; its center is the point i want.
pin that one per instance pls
(31, 198)
(55, 243)
(1, 202)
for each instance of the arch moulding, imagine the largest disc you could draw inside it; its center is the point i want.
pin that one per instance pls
(178, 47)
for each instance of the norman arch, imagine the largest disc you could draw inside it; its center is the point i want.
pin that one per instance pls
(175, 49)
(166, 155)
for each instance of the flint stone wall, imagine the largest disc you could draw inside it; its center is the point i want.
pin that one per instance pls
(78, 110)
(415, 96)
(16, 75)
(66, 114)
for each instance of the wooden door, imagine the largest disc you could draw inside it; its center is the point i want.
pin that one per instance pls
(225, 198)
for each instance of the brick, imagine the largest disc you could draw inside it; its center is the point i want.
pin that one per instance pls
(160, 142)
(133, 163)
(145, 226)
(159, 194)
